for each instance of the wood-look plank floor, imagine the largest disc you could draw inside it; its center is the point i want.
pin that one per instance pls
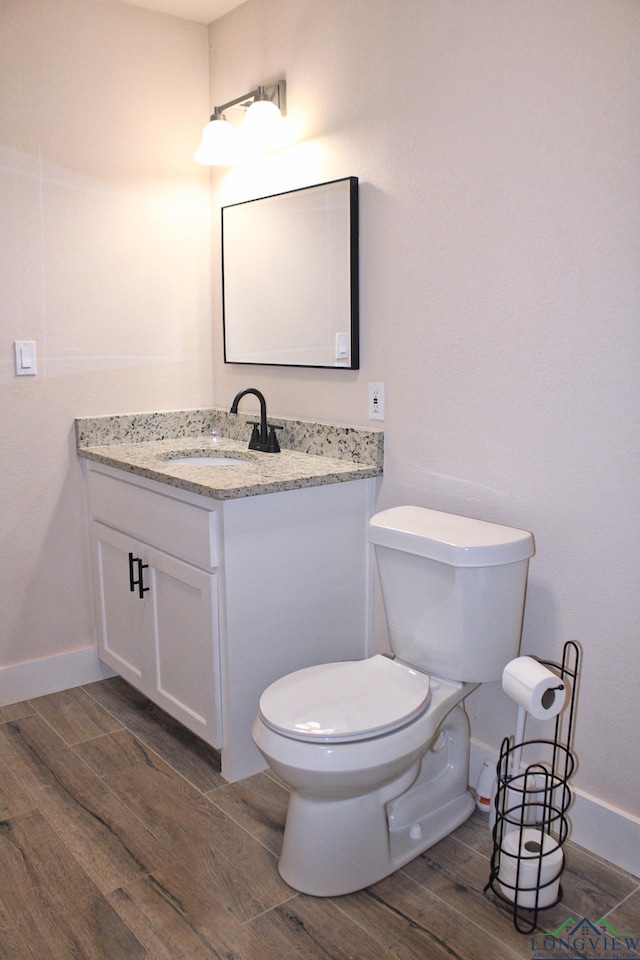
(119, 839)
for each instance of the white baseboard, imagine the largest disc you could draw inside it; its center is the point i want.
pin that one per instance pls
(599, 827)
(36, 678)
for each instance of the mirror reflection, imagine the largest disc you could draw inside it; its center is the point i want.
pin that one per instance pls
(290, 277)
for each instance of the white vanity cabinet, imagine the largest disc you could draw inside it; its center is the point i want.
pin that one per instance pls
(156, 598)
(202, 603)
(157, 616)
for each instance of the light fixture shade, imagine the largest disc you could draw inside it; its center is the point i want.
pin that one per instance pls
(218, 144)
(262, 123)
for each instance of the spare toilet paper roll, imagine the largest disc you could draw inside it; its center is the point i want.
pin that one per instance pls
(539, 852)
(540, 691)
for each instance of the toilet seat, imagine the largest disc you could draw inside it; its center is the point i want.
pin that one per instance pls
(344, 702)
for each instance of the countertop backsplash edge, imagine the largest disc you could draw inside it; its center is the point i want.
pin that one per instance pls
(357, 444)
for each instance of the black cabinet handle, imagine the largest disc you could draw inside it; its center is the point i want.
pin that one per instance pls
(132, 582)
(141, 588)
(139, 583)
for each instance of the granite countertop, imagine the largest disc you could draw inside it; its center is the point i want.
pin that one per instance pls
(312, 453)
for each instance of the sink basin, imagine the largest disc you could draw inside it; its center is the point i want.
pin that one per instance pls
(209, 461)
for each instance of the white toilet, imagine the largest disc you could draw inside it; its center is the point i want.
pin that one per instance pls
(376, 751)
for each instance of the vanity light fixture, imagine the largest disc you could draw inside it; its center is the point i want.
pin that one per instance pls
(264, 106)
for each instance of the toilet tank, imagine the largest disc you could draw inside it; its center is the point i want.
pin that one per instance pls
(453, 590)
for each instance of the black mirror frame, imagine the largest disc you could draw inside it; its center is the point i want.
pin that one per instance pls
(354, 292)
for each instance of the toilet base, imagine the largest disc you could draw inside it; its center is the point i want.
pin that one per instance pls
(334, 847)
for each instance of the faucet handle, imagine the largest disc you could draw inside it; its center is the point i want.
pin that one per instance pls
(255, 435)
(272, 443)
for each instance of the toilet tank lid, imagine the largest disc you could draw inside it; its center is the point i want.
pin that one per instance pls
(447, 538)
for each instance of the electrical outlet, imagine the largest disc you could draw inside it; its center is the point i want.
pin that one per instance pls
(376, 401)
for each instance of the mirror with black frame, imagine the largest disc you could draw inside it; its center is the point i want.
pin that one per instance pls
(290, 278)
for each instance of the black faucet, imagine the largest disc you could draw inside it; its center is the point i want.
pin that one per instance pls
(263, 436)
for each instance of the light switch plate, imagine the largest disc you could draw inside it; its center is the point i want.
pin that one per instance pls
(25, 356)
(342, 346)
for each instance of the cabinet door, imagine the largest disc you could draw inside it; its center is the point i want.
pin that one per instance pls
(183, 633)
(120, 609)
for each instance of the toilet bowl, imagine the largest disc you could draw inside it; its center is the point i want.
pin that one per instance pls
(376, 752)
(368, 780)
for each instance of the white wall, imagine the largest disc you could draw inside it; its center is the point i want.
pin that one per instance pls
(104, 262)
(498, 147)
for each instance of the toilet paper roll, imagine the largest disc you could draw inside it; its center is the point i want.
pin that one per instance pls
(533, 686)
(539, 852)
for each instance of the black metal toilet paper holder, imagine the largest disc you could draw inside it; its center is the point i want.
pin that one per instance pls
(536, 798)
